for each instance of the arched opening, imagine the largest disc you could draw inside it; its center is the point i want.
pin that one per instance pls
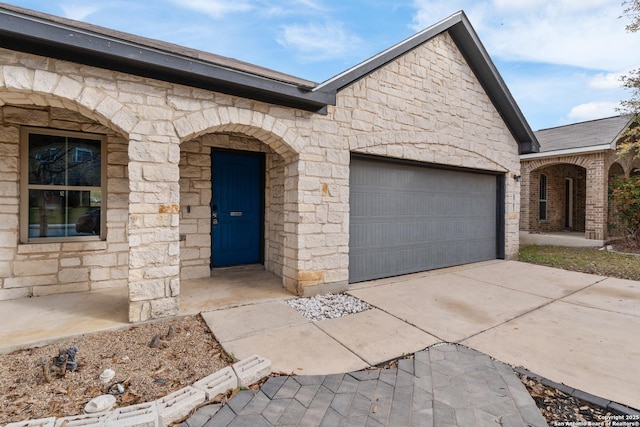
(615, 170)
(557, 198)
(219, 170)
(80, 242)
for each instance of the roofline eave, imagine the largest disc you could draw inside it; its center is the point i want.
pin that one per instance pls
(567, 152)
(614, 143)
(36, 36)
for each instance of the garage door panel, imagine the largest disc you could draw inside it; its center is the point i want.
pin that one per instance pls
(372, 203)
(406, 218)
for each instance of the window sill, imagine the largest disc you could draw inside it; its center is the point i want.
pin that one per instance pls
(69, 246)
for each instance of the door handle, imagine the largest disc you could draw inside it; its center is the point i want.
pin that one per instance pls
(214, 218)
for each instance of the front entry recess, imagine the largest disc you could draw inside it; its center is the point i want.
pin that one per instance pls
(236, 214)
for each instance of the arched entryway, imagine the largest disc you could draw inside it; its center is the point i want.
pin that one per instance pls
(67, 232)
(203, 218)
(557, 198)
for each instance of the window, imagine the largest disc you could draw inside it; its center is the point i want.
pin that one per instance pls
(543, 198)
(62, 185)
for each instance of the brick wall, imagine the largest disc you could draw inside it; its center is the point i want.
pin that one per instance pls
(556, 203)
(591, 198)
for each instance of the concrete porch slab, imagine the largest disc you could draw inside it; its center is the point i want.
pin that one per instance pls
(534, 279)
(449, 306)
(617, 295)
(241, 322)
(231, 287)
(592, 350)
(560, 238)
(31, 322)
(376, 336)
(301, 350)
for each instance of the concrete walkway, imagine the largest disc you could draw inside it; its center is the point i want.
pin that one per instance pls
(572, 328)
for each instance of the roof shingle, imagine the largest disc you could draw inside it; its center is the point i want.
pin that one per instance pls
(583, 135)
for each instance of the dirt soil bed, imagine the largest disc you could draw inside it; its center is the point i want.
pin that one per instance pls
(152, 360)
(625, 246)
(559, 409)
(183, 351)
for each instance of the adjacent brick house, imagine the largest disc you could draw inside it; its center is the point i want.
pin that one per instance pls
(190, 161)
(565, 185)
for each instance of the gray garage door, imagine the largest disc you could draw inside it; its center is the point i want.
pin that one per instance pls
(407, 218)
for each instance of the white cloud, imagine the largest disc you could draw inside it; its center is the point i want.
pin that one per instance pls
(566, 5)
(215, 8)
(291, 7)
(77, 11)
(593, 110)
(606, 81)
(578, 33)
(428, 12)
(518, 5)
(310, 4)
(318, 42)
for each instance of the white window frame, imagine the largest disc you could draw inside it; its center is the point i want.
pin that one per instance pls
(569, 200)
(25, 186)
(542, 197)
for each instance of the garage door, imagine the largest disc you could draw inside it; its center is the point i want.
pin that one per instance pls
(407, 218)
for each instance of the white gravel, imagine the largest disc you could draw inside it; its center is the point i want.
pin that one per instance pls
(329, 306)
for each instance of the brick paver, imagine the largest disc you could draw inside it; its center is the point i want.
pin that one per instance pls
(443, 385)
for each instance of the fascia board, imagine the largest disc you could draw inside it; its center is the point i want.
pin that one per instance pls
(567, 152)
(38, 36)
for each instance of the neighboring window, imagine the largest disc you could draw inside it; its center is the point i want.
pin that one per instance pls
(543, 198)
(62, 183)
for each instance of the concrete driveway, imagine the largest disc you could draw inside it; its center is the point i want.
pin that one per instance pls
(578, 329)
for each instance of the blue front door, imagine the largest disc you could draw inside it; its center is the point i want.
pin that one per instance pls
(236, 219)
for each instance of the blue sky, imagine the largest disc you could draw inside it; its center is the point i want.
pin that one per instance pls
(561, 59)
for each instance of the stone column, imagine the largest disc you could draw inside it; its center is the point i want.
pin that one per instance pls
(9, 212)
(291, 219)
(323, 229)
(154, 247)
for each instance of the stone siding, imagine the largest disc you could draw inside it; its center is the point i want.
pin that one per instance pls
(35, 269)
(195, 201)
(426, 106)
(429, 106)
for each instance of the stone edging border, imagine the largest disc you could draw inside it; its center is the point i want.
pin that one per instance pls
(171, 408)
(606, 404)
